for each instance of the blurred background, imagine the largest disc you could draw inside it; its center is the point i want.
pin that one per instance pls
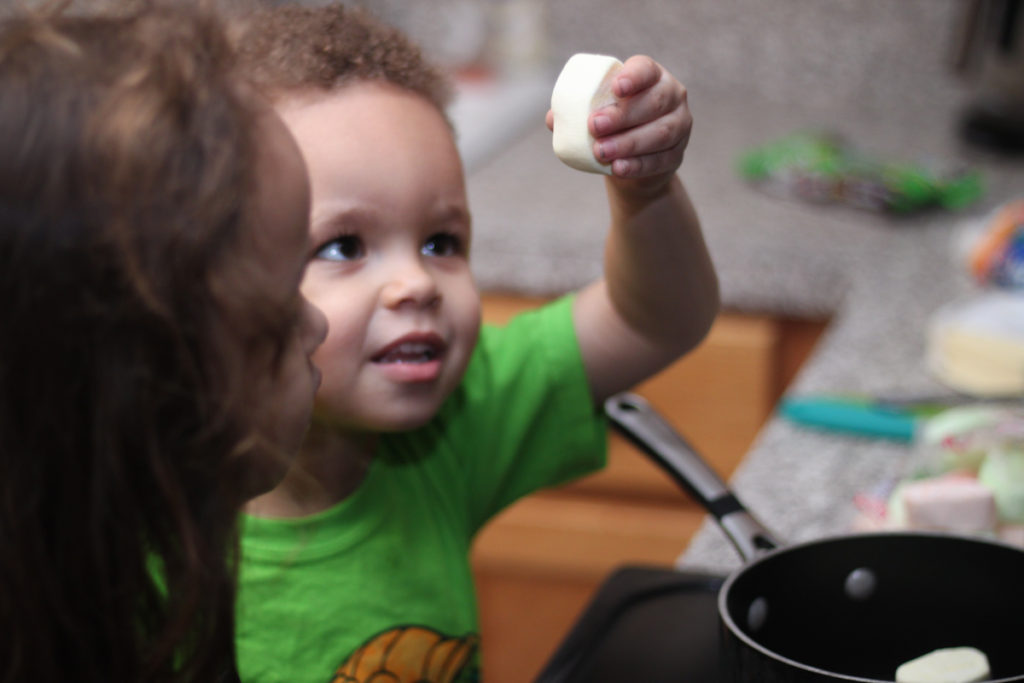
(900, 61)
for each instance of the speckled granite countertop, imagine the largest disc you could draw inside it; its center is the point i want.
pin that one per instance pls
(540, 230)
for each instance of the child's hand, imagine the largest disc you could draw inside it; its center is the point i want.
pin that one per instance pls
(644, 133)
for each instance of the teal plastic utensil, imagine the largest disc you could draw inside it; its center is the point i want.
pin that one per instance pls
(853, 416)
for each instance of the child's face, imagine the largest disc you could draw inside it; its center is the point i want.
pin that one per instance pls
(391, 230)
(285, 397)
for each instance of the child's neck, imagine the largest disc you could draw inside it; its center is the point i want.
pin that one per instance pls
(328, 469)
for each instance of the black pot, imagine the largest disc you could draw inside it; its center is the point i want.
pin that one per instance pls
(847, 608)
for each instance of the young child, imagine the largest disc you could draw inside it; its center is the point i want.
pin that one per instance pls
(425, 425)
(154, 346)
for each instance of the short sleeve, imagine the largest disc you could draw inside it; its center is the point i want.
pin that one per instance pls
(525, 411)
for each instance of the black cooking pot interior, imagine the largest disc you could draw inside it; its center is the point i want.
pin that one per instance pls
(911, 594)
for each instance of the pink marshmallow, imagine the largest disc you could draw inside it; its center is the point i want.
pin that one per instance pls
(952, 503)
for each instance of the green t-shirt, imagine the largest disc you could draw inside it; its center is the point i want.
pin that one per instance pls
(382, 581)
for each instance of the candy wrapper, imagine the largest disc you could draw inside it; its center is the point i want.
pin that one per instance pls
(822, 168)
(995, 251)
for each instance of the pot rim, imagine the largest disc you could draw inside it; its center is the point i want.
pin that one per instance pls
(737, 632)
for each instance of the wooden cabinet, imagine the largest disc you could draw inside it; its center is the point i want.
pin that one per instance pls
(538, 563)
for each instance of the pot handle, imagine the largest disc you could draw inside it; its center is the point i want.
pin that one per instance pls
(637, 420)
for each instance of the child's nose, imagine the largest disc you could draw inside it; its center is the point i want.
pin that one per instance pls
(411, 284)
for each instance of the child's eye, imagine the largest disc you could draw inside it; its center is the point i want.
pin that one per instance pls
(442, 244)
(344, 248)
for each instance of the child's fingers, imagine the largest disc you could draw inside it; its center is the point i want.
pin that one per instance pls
(665, 134)
(637, 73)
(664, 97)
(549, 120)
(659, 163)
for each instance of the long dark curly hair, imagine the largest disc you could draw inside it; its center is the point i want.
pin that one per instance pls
(126, 338)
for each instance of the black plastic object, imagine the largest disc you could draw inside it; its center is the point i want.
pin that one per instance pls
(646, 624)
(997, 131)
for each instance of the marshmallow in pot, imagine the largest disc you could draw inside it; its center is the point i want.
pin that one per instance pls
(946, 665)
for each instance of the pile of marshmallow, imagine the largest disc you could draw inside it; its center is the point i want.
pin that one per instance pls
(966, 477)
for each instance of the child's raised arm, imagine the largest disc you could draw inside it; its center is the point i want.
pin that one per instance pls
(659, 294)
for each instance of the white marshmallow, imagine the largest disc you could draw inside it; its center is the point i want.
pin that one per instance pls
(947, 665)
(584, 85)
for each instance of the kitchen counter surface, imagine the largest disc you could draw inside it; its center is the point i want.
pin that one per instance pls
(539, 230)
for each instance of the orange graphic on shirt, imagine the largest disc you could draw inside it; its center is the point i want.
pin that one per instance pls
(408, 654)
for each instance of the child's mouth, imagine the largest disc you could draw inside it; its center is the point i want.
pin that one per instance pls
(412, 348)
(414, 358)
(408, 352)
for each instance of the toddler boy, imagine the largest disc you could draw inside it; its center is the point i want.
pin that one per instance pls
(427, 425)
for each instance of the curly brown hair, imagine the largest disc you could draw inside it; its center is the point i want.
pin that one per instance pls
(292, 49)
(128, 332)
